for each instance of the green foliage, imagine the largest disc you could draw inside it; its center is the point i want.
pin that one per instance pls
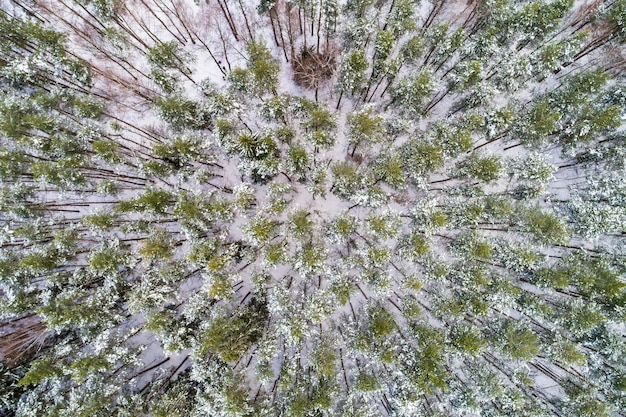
(467, 339)
(317, 116)
(324, 358)
(11, 164)
(152, 201)
(352, 75)
(552, 277)
(321, 139)
(473, 246)
(347, 179)
(244, 195)
(261, 229)
(106, 260)
(518, 258)
(366, 382)
(584, 402)
(566, 351)
(365, 128)
(158, 246)
(160, 321)
(263, 68)
(198, 212)
(580, 317)
(26, 41)
(318, 182)
(546, 227)
(517, 341)
(166, 55)
(179, 151)
(420, 158)
(275, 253)
(615, 16)
(107, 150)
(220, 286)
(413, 282)
(413, 49)
(310, 259)
(378, 257)
(41, 260)
(390, 168)
(300, 225)
(259, 153)
(595, 279)
(298, 161)
(107, 187)
(74, 308)
(182, 113)
(552, 56)
(176, 401)
(455, 140)
(166, 81)
(240, 80)
(537, 19)
(486, 169)
(156, 287)
(230, 337)
(86, 366)
(411, 91)
(237, 401)
(40, 370)
(384, 44)
(538, 123)
(402, 18)
(64, 173)
(572, 114)
(318, 123)
(414, 245)
(342, 288)
(99, 222)
(467, 74)
(384, 225)
(429, 373)
(381, 322)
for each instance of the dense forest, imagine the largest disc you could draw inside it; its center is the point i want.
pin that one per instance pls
(309, 208)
